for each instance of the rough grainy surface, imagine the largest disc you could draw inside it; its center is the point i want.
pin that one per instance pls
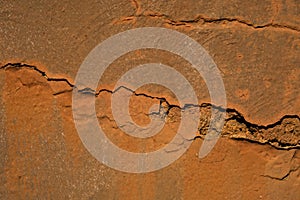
(255, 44)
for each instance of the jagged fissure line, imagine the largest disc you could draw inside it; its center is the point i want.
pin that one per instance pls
(200, 19)
(253, 128)
(22, 65)
(227, 19)
(237, 116)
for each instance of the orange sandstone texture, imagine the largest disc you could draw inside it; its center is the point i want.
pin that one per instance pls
(255, 44)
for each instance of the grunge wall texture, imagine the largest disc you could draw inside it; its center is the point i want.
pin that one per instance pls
(256, 46)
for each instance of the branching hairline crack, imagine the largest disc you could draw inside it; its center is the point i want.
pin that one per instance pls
(237, 116)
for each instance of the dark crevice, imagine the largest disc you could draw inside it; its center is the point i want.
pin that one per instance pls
(22, 65)
(164, 104)
(208, 20)
(62, 92)
(280, 146)
(239, 118)
(203, 20)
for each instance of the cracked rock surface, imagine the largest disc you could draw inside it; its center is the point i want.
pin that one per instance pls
(255, 44)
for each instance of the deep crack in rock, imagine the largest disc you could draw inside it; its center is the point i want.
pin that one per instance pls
(283, 134)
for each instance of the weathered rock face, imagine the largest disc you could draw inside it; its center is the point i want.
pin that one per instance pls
(256, 46)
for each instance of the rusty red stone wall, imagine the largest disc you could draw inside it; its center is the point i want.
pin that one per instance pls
(256, 46)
